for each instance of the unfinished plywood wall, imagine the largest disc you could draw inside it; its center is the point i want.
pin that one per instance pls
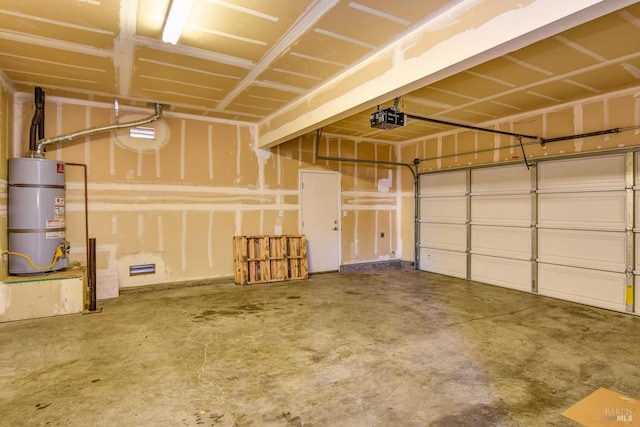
(460, 148)
(177, 202)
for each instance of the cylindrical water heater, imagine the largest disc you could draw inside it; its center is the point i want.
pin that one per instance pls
(36, 216)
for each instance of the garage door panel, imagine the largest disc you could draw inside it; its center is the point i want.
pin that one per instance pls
(595, 173)
(637, 171)
(508, 242)
(597, 288)
(443, 184)
(509, 273)
(443, 219)
(637, 203)
(501, 210)
(444, 262)
(590, 249)
(505, 179)
(595, 210)
(580, 227)
(444, 236)
(637, 245)
(637, 296)
(443, 209)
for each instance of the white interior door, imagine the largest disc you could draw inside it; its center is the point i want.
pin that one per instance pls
(320, 218)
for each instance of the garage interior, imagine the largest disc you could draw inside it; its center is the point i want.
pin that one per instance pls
(465, 174)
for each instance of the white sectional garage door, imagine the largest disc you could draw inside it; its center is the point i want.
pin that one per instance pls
(563, 229)
(501, 226)
(443, 219)
(582, 230)
(636, 236)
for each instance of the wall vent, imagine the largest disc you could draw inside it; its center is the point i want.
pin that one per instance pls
(137, 270)
(142, 132)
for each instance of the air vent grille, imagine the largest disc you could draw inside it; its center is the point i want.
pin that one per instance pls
(137, 270)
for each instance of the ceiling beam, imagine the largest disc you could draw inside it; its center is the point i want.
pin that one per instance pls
(124, 47)
(317, 11)
(416, 60)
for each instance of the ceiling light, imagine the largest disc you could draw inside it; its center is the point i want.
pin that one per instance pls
(176, 18)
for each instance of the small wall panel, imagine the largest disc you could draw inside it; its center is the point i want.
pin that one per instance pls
(509, 273)
(443, 184)
(596, 288)
(508, 242)
(444, 236)
(444, 209)
(597, 210)
(443, 262)
(602, 250)
(587, 174)
(501, 180)
(505, 210)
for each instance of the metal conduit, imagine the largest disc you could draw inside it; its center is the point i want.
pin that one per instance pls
(542, 141)
(416, 205)
(88, 132)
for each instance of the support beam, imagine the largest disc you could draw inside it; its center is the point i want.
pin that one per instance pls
(426, 55)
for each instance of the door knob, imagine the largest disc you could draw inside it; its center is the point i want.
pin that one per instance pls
(335, 228)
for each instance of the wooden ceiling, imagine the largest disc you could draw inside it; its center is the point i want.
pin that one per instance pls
(264, 61)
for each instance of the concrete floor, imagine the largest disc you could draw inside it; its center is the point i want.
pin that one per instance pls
(379, 348)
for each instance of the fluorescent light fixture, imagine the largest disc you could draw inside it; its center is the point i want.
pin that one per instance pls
(142, 132)
(176, 18)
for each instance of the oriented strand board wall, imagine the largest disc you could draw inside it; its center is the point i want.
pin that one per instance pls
(460, 148)
(178, 201)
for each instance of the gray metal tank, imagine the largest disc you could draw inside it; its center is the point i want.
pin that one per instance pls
(36, 216)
